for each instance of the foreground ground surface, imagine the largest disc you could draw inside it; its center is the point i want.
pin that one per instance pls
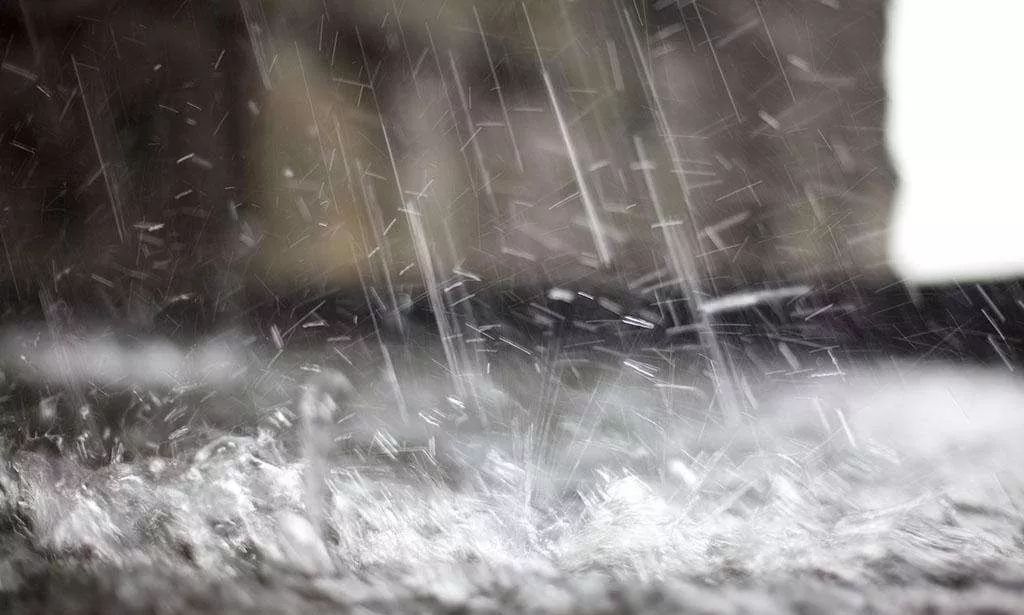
(889, 488)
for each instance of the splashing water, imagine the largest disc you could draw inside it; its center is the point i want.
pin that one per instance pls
(630, 493)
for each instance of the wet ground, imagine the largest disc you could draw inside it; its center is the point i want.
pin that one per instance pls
(892, 487)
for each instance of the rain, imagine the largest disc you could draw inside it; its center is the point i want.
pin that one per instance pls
(547, 306)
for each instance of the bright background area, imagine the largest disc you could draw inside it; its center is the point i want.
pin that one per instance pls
(956, 130)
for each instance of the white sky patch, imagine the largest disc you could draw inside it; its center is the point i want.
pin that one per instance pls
(956, 88)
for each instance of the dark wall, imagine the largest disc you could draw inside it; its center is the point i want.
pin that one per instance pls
(151, 151)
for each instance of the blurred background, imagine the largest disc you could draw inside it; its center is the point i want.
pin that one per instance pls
(154, 150)
(433, 185)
